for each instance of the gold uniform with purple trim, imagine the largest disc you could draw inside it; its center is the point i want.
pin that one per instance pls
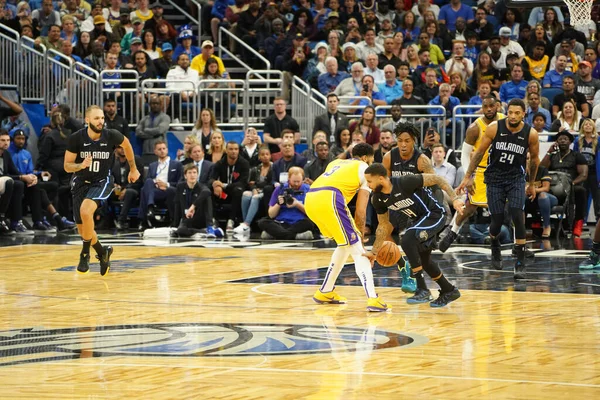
(326, 203)
(479, 198)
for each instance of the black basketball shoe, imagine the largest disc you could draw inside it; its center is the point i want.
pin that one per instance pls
(445, 297)
(447, 240)
(84, 264)
(105, 260)
(496, 256)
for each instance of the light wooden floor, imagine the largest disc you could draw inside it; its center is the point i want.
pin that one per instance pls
(488, 344)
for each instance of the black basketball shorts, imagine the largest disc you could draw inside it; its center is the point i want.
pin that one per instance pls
(82, 190)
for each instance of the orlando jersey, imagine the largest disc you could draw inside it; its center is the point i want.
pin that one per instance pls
(508, 154)
(400, 167)
(409, 197)
(100, 150)
(482, 127)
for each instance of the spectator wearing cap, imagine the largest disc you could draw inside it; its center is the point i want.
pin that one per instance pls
(101, 28)
(513, 59)
(368, 46)
(566, 49)
(571, 36)
(143, 11)
(298, 45)
(113, 13)
(450, 12)
(121, 28)
(199, 62)
(134, 46)
(316, 64)
(138, 28)
(386, 31)
(333, 23)
(507, 45)
(554, 77)
(164, 63)
(561, 158)
(185, 44)
(586, 84)
(349, 57)
(95, 19)
(157, 17)
(329, 80)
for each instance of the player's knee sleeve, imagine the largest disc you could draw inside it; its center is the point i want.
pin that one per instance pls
(496, 224)
(519, 222)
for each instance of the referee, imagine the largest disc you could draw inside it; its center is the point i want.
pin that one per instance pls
(508, 141)
(89, 157)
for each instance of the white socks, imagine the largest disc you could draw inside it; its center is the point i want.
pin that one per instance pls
(363, 269)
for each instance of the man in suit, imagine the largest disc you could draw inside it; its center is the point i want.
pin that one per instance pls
(124, 191)
(332, 121)
(229, 179)
(160, 185)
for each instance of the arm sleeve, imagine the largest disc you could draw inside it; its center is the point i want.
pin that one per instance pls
(361, 177)
(465, 155)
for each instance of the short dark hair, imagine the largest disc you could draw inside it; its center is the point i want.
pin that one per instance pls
(322, 144)
(4, 132)
(518, 103)
(160, 142)
(495, 37)
(396, 102)
(110, 100)
(407, 127)
(539, 43)
(232, 142)
(423, 51)
(387, 130)
(404, 64)
(332, 95)
(376, 169)
(539, 114)
(362, 149)
(189, 167)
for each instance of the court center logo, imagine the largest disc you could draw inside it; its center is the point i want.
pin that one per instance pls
(32, 345)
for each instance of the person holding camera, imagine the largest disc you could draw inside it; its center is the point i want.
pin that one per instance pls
(458, 62)
(287, 218)
(376, 98)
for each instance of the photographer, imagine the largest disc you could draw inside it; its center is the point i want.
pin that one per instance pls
(287, 218)
(431, 138)
(376, 98)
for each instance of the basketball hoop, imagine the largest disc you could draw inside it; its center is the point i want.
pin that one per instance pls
(580, 11)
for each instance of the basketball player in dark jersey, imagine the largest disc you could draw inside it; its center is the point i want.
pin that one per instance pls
(508, 141)
(405, 159)
(411, 195)
(89, 157)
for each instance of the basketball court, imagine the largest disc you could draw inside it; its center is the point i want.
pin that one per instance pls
(230, 319)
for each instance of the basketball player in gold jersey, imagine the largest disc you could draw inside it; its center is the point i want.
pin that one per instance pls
(477, 196)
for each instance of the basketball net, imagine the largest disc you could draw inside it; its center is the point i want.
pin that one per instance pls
(580, 11)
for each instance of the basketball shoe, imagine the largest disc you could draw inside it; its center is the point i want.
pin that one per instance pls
(84, 264)
(445, 297)
(328, 298)
(496, 255)
(593, 261)
(375, 304)
(447, 240)
(105, 260)
(421, 296)
(409, 284)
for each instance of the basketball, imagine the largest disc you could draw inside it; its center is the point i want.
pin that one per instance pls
(388, 254)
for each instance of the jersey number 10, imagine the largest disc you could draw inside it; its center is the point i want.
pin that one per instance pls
(507, 158)
(95, 166)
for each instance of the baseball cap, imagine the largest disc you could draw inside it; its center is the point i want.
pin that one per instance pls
(135, 40)
(166, 47)
(333, 14)
(99, 19)
(299, 36)
(586, 63)
(19, 132)
(156, 4)
(505, 31)
(512, 55)
(207, 43)
(136, 20)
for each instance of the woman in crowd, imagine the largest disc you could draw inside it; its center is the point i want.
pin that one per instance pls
(412, 56)
(218, 100)
(511, 20)
(483, 90)
(399, 49)
(333, 45)
(149, 45)
(183, 155)
(460, 90)
(485, 71)
(409, 28)
(535, 87)
(83, 48)
(568, 119)
(342, 142)
(349, 58)
(165, 33)
(205, 127)
(539, 35)
(551, 24)
(316, 64)
(260, 176)
(250, 147)
(216, 151)
(587, 144)
(367, 127)
(303, 23)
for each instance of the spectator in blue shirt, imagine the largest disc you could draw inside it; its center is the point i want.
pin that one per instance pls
(448, 102)
(330, 80)
(554, 77)
(376, 98)
(392, 87)
(185, 44)
(515, 88)
(450, 12)
(533, 107)
(320, 13)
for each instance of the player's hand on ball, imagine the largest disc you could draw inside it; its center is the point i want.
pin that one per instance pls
(370, 256)
(86, 162)
(133, 176)
(459, 206)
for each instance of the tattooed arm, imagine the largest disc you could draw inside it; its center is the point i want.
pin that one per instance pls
(424, 165)
(432, 179)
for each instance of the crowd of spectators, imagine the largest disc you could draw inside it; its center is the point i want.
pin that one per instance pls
(368, 53)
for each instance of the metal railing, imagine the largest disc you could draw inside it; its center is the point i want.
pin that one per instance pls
(301, 96)
(61, 84)
(223, 96)
(9, 54)
(33, 70)
(197, 21)
(259, 94)
(461, 120)
(124, 87)
(240, 42)
(88, 90)
(421, 121)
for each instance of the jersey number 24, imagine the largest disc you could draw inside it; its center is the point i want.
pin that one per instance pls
(507, 158)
